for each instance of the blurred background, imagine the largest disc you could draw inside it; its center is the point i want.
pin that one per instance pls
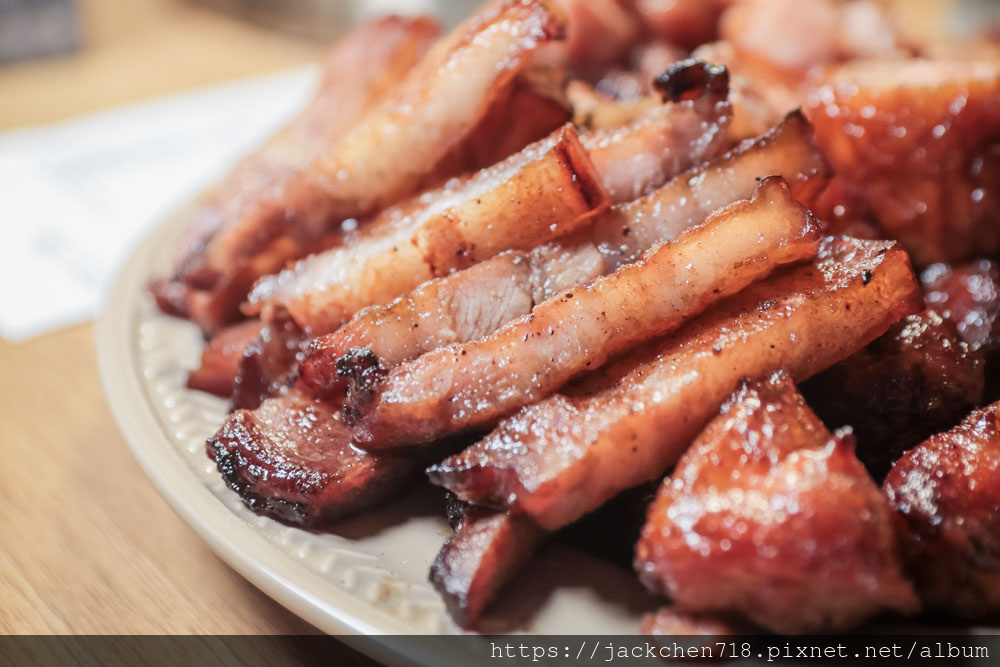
(113, 113)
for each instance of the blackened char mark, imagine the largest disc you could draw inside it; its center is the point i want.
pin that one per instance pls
(364, 374)
(691, 79)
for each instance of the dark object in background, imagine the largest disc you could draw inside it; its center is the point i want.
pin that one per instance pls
(919, 378)
(35, 28)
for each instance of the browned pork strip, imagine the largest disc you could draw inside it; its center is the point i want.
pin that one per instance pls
(542, 192)
(487, 550)
(770, 516)
(946, 493)
(215, 266)
(639, 157)
(566, 455)
(463, 386)
(220, 358)
(473, 303)
(625, 232)
(392, 151)
(292, 459)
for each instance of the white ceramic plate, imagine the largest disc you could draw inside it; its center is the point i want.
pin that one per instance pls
(365, 576)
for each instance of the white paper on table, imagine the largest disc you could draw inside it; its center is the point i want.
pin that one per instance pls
(77, 196)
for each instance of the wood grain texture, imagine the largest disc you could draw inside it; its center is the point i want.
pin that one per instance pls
(86, 543)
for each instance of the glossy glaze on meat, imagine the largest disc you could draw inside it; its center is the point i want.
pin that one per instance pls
(629, 422)
(487, 550)
(232, 240)
(393, 151)
(268, 363)
(915, 380)
(969, 296)
(471, 304)
(220, 358)
(917, 143)
(770, 516)
(688, 131)
(542, 192)
(292, 459)
(471, 385)
(946, 493)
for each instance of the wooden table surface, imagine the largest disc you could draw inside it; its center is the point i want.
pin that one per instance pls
(86, 544)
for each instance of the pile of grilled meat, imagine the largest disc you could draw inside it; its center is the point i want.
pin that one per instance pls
(738, 250)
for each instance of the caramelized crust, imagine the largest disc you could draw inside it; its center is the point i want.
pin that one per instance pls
(292, 459)
(628, 423)
(220, 358)
(946, 493)
(470, 385)
(770, 516)
(487, 550)
(915, 142)
(473, 303)
(231, 241)
(915, 380)
(544, 191)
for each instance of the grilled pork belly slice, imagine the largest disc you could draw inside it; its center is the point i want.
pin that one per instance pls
(915, 380)
(220, 358)
(628, 423)
(393, 151)
(230, 242)
(459, 308)
(465, 386)
(946, 493)
(917, 144)
(411, 137)
(543, 191)
(268, 363)
(770, 516)
(292, 459)
(487, 550)
(471, 304)
(639, 157)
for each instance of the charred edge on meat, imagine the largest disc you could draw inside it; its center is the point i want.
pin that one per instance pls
(295, 513)
(364, 374)
(692, 79)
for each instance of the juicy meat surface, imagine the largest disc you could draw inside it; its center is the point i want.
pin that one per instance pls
(915, 380)
(464, 386)
(231, 241)
(543, 191)
(917, 143)
(473, 303)
(392, 151)
(628, 423)
(487, 550)
(220, 358)
(969, 296)
(268, 363)
(292, 459)
(689, 130)
(771, 516)
(946, 493)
